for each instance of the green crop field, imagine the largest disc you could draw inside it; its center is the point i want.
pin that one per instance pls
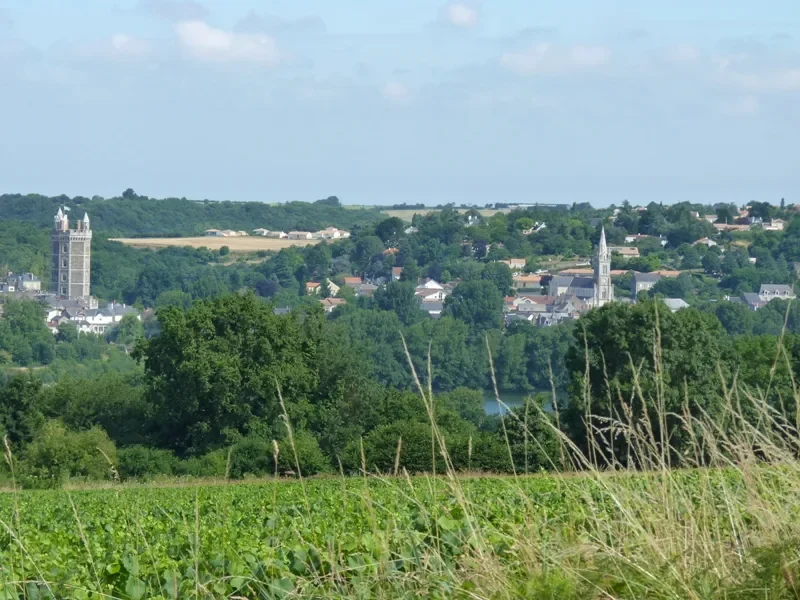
(587, 536)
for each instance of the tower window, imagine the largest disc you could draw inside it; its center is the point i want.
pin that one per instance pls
(63, 277)
(65, 248)
(64, 290)
(64, 263)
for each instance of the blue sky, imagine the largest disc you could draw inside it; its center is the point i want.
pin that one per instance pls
(402, 100)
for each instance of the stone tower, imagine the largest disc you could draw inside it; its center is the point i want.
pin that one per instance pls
(71, 255)
(603, 288)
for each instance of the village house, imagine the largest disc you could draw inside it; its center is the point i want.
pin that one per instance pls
(515, 264)
(643, 282)
(433, 308)
(637, 237)
(431, 291)
(625, 251)
(708, 242)
(300, 235)
(352, 282)
(527, 282)
(366, 290)
(314, 287)
(770, 291)
(332, 233)
(675, 304)
(753, 300)
(774, 225)
(329, 304)
(271, 234)
(92, 320)
(396, 273)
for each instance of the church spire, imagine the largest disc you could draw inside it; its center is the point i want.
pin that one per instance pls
(602, 248)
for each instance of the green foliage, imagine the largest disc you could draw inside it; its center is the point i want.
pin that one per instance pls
(642, 351)
(500, 275)
(127, 331)
(398, 297)
(142, 462)
(218, 367)
(24, 249)
(24, 335)
(256, 456)
(477, 303)
(57, 454)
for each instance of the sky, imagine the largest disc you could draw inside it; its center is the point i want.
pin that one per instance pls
(390, 101)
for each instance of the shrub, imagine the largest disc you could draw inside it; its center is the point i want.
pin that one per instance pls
(209, 465)
(57, 454)
(255, 456)
(143, 462)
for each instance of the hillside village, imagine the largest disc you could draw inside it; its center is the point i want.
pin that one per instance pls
(546, 297)
(634, 256)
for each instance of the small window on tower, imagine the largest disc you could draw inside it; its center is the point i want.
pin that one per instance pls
(64, 290)
(64, 263)
(65, 248)
(63, 277)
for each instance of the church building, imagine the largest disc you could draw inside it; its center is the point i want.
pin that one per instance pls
(596, 290)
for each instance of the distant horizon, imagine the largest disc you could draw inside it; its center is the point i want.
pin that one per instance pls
(430, 204)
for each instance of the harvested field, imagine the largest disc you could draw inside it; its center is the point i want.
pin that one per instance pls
(250, 243)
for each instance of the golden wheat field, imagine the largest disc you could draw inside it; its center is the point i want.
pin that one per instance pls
(236, 244)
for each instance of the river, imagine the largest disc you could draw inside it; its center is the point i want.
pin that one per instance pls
(510, 399)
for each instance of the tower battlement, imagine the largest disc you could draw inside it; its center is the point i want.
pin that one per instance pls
(71, 256)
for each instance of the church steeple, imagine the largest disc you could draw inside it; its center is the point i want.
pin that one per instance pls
(603, 288)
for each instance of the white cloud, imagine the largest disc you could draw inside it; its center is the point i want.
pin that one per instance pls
(682, 53)
(590, 56)
(545, 58)
(126, 45)
(173, 10)
(396, 92)
(459, 14)
(209, 43)
(744, 106)
(755, 76)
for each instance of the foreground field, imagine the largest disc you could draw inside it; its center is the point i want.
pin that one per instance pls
(684, 534)
(235, 244)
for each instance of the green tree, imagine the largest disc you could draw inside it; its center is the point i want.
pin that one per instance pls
(399, 297)
(499, 274)
(620, 338)
(215, 370)
(224, 251)
(127, 331)
(477, 303)
(390, 231)
(20, 409)
(711, 263)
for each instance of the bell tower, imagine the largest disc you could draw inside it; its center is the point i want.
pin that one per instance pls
(603, 288)
(71, 256)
